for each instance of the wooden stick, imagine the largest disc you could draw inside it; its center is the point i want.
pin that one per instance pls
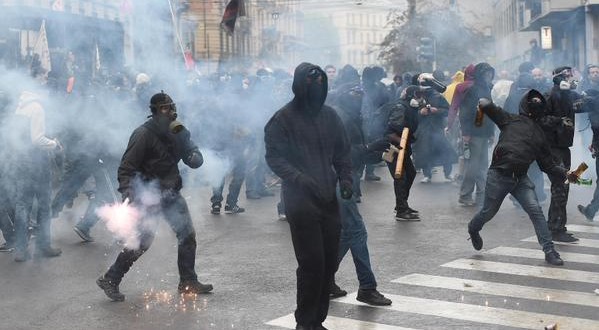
(402, 153)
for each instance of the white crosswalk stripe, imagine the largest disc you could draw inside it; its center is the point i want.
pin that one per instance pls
(583, 242)
(336, 323)
(500, 289)
(583, 229)
(525, 270)
(538, 254)
(479, 314)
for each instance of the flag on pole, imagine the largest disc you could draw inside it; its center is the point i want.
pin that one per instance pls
(58, 5)
(234, 9)
(42, 50)
(97, 63)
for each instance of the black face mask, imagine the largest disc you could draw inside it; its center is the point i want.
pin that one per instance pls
(315, 95)
(535, 109)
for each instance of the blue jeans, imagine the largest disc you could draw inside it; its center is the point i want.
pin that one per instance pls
(497, 187)
(354, 238)
(593, 206)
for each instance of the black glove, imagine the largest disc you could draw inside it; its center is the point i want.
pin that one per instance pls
(345, 188)
(308, 185)
(195, 159)
(379, 145)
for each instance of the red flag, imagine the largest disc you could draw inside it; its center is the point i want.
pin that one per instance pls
(234, 9)
(190, 64)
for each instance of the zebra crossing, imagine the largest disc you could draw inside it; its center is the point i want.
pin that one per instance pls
(471, 313)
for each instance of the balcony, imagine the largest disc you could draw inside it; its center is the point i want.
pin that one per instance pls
(550, 12)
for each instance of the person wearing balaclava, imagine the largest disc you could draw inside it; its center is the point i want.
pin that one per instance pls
(308, 148)
(152, 156)
(521, 142)
(559, 126)
(404, 114)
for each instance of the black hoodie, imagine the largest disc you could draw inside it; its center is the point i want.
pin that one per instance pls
(480, 89)
(312, 142)
(521, 140)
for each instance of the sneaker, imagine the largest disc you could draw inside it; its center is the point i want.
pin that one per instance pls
(475, 239)
(466, 202)
(83, 234)
(407, 215)
(409, 209)
(48, 252)
(553, 258)
(194, 287)
(111, 288)
(583, 210)
(215, 208)
(335, 291)
(448, 179)
(21, 255)
(426, 179)
(373, 297)
(372, 177)
(282, 217)
(233, 209)
(562, 236)
(7, 247)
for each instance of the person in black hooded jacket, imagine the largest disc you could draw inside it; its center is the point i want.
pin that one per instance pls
(152, 155)
(308, 148)
(559, 126)
(521, 142)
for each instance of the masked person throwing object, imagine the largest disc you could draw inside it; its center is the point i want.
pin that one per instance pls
(152, 155)
(521, 142)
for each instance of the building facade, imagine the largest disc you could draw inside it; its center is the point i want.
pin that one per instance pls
(566, 30)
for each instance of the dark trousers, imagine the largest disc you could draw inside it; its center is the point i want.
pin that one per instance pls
(315, 229)
(77, 171)
(593, 206)
(7, 214)
(256, 173)
(100, 196)
(559, 193)
(497, 187)
(237, 177)
(175, 211)
(402, 185)
(33, 184)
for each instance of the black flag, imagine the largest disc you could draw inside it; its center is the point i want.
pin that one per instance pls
(234, 9)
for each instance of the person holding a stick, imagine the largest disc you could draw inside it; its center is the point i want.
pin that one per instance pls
(401, 127)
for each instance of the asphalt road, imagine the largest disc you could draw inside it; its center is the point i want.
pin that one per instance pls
(435, 278)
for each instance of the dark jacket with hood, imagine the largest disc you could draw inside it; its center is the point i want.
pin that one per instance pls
(521, 140)
(153, 153)
(480, 89)
(402, 115)
(308, 143)
(561, 104)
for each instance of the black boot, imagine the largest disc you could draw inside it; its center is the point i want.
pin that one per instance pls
(373, 297)
(475, 239)
(194, 287)
(562, 236)
(553, 258)
(335, 291)
(111, 288)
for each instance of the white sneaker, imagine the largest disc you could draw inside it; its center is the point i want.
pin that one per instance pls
(426, 179)
(448, 179)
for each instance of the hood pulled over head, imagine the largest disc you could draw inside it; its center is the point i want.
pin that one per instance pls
(310, 86)
(533, 104)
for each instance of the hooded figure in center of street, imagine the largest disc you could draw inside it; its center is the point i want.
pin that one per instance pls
(308, 148)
